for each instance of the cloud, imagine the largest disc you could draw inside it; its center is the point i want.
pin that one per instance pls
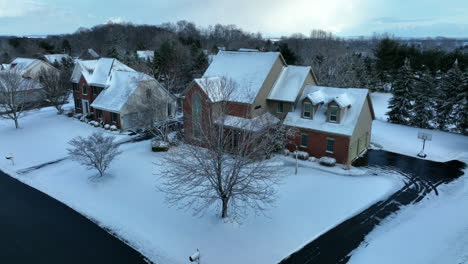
(19, 8)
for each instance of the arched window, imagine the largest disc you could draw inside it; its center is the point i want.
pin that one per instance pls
(196, 115)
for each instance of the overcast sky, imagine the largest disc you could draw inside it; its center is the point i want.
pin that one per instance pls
(273, 18)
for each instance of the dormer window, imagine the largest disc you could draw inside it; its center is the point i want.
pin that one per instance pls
(279, 108)
(307, 110)
(334, 114)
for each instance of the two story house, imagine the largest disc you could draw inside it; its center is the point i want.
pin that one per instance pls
(332, 122)
(110, 92)
(30, 69)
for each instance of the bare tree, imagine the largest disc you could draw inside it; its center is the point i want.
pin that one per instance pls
(227, 161)
(55, 87)
(95, 152)
(16, 95)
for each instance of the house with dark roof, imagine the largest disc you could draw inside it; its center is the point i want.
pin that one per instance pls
(110, 92)
(331, 122)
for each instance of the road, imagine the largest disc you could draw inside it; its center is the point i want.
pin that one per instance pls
(336, 245)
(35, 228)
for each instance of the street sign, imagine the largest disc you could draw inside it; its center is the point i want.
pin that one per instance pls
(425, 136)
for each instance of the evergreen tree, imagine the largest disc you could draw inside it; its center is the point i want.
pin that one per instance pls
(66, 47)
(446, 97)
(422, 113)
(200, 65)
(113, 53)
(460, 110)
(289, 56)
(400, 104)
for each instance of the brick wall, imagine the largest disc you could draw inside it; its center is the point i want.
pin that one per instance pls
(78, 94)
(317, 145)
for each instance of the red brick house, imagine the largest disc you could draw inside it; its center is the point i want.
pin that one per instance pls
(332, 122)
(109, 92)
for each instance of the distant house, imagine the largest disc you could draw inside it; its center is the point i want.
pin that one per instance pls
(111, 92)
(30, 69)
(145, 54)
(56, 58)
(332, 122)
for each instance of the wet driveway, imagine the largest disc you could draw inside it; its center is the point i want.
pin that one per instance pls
(423, 177)
(35, 228)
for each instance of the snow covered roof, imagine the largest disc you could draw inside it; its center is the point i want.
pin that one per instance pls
(23, 64)
(212, 86)
(317, 97)
(255, 124)
(96, 72)
(289, 84)
(247, 50)
(247, 70)
(145, 54)
(344, 97)
(52, 58)
(93, 53)
(5, 66)
(120, 86)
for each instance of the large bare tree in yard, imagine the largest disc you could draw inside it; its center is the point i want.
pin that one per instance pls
(94, 152)
(56, 87)
(16, 95)
(228, 164)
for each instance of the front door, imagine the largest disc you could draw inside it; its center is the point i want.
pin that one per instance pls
(85, 105)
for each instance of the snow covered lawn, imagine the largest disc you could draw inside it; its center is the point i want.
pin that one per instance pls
(128, 203)
(42, 137)
(403, 139)
(432, 231)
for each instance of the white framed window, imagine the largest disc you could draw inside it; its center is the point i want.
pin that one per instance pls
(307, 110)
(333, 115)
(99, 114)
(330, 145)
(84, 89)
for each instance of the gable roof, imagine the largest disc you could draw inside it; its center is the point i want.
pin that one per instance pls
(145, 54)
(96, 72)
(352, 97)
(247, 70)
(23, 65)
(120, 86)
(289, 84)
(52, 58)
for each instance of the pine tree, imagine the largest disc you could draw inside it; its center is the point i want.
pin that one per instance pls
(289, 56)
(460, 109)
(400, 104)
(113, 53)
(66, 47)
(422, 114)
(446, 97)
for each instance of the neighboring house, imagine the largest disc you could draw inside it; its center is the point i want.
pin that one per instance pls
(57, 58)
(111, 91)
(30, 69)
(266, 88)
(145, 55)
(332, 122)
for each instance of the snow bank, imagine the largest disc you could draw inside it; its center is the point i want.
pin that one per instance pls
(432, 231)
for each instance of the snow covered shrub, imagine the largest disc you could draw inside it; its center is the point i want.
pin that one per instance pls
(94, 152)
(113, 128)
(106, 126)
(312, 159)
(159, 145)
(327, 161)
(302, 155)
(286, 152)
